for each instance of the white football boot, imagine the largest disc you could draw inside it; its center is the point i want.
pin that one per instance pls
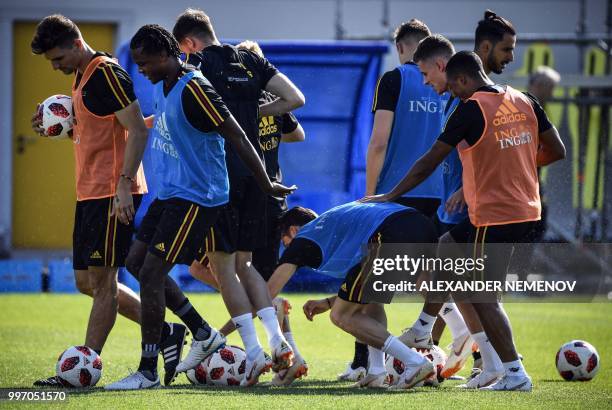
(482, 379)
(135, 381)
(262, 364)
(414, 375)
(282, 356)
(460, 351)
(418, 339)
(352, 375)
(200, 350)
(373, 381)
(511, 383)
(298, 369)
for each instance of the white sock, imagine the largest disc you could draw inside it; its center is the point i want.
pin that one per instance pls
(291, 341)
(246, 328)
(515, 368)
(394, 347)
(490, 359)
(269, 320)
(453, 319)
(376, 361)
(425, 322)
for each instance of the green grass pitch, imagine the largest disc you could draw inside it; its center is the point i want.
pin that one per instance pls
(34, 329)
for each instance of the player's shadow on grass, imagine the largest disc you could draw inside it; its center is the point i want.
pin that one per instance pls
(309, 387)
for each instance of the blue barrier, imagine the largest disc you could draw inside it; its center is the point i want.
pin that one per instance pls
(61, 276)
(21, 275)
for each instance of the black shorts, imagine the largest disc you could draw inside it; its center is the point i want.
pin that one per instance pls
(442, 226)
(177, 230)
(426, 206)
(402, 227)
(99, 239)
(494, 244)
(241, 227)
(265, 258)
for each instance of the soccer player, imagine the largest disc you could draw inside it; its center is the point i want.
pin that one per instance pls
(431, 56)
(240, 76)
(504, 213)
(272, 131)
(333, 244)
(401, 90)
(495, 39)
(191, 123)
(108, 128)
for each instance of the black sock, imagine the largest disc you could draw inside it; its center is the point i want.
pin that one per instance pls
(99, 351)
(148, 360)
(476, 355)
(196, 324)
(165, 331)
(361, 356)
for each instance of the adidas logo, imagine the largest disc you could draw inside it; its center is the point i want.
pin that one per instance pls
(507, 113)
(95, 255)
(160, 247)
(343, 287)
(267, 126)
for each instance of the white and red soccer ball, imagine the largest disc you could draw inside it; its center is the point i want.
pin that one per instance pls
(198, 375)
(225, 367)
(577, 361)
(79, 366)
(57, 116)
(395, 367)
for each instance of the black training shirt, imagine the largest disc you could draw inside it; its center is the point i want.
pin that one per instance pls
(271, 129)
(109, 89)
(302, 252)
(467, 120)
(388, 90)
(202, 106)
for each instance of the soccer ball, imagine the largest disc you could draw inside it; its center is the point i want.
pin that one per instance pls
(438, 357)
(198, 375)
(57, 116)
(226, 367)
(395, 367)
(78, 366)
(577, 360)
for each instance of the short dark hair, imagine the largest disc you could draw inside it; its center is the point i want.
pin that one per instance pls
(153, 39)
(193, 22)
(298, 216)
(464, 62)
(433, 46)
(492, 27)
(54, 31)
(413, 29)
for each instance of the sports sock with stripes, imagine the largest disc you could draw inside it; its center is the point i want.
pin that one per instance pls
(197, 325)
(148, 360)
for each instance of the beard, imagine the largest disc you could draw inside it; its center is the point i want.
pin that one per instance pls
(493, 65)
